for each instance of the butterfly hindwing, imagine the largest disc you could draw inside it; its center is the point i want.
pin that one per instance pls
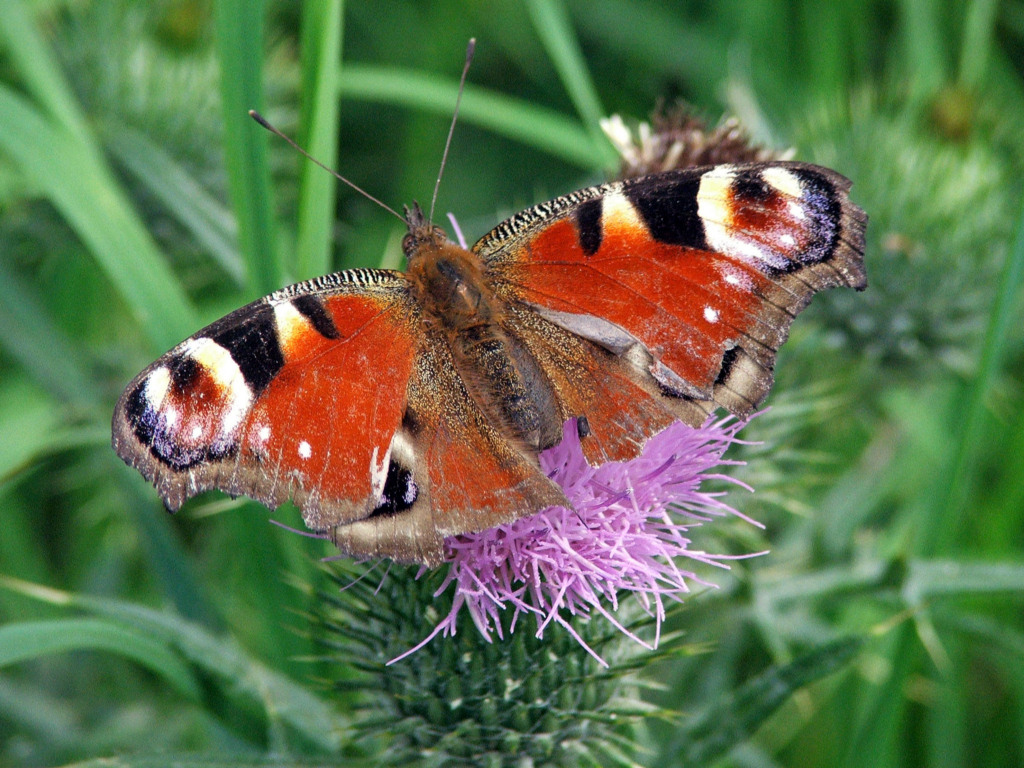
(469, 476)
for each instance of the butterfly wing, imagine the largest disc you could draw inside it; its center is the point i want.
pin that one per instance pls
(468, 474)
(289, 396)
(690, 278)
(332, 393)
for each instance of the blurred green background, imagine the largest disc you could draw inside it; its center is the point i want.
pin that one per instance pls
(138, 203)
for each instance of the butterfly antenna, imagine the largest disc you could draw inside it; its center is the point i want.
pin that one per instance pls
(263, 121)
(451, 129)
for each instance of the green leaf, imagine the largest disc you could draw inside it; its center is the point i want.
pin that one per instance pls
(34, 639)
(235, 671)
(321, 63)
(535, 126)
(239, 36)
(734, 717)
(75, 179)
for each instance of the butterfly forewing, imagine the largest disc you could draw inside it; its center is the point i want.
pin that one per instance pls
(704, 267)
(271, 401)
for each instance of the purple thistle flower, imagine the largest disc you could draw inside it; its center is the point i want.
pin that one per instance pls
(628, 533)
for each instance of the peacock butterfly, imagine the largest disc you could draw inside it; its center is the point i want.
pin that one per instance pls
(400, 408)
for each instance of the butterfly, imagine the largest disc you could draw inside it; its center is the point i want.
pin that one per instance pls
(400, 408)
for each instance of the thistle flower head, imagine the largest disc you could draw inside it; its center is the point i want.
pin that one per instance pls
(627, 534)
(677, 138)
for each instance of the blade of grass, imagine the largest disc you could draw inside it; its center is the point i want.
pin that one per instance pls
(23, 554)
(209, 222)
(976, 49)
(40, 73)
(534, 126)
(239, 33)
(923, 48)
(239, 39)
(78, 183)
(230, 667)
(321, 71)
(734, 718)
(553, 26)
(50, 718)
(28, 334)
(943, 521)
(165, 555)
(823, 26)
(34, 418)
(30, 640)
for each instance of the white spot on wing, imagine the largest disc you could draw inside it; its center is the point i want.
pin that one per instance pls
(710, 314)
(379, 473)
(617, 211)
(157, 384)
(218, 364)
(796, 210)
(305, 450)
(264, 433)
(714, 206)
(784, 180)
(290, 322)
(787, 240)
(197, 432)
(713, 200)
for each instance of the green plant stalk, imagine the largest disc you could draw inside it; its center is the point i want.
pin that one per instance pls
(534, 126)
(321, 73)
(553, 26)
(239, 39)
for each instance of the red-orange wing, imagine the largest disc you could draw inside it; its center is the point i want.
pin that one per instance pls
(703, 269)
(334, 394)
(296, 395)
(466, 475)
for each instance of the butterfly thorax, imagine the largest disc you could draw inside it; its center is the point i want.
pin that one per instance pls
(449, 283)
(459, 306)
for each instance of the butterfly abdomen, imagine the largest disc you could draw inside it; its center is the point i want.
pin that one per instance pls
(503, 379)
(508, 385)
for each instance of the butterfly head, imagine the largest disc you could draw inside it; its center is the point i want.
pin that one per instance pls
(422, 234)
